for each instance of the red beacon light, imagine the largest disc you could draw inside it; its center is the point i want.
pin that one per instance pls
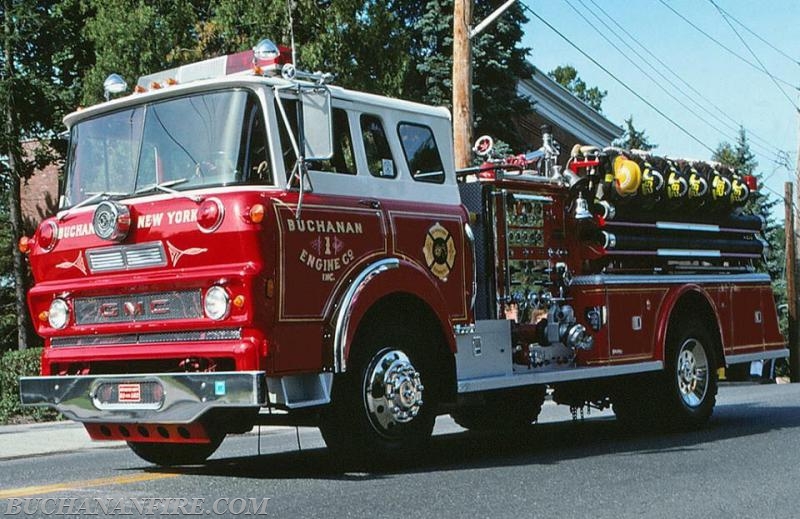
(751, 182)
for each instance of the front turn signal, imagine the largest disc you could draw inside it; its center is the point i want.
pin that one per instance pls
(25, 244)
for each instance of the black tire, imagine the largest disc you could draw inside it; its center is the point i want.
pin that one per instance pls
(508, 409)
(383, 408)
(691, 371)
(170, 454)
(684, 395)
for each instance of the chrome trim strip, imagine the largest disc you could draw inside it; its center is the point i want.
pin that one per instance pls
(759, 355)
(343, 317)
(471, 241)
(678, 226)
(187, 396)
(531, 198)
(552, 377)
(689, 253)
(650, 279)
(127, 339)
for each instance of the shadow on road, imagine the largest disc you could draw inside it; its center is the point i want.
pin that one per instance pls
(543, 444)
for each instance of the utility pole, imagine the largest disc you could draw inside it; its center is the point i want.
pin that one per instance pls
(462, 83)
(462, 75)
(791, 284)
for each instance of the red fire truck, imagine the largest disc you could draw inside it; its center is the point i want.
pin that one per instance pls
(241, 243)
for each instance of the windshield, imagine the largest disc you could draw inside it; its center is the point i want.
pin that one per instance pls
(202, 140)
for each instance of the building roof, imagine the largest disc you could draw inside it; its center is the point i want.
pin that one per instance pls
(560, 107)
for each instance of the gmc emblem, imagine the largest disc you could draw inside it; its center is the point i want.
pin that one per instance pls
(113, 309)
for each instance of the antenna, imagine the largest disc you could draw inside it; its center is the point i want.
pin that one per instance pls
(291, 31)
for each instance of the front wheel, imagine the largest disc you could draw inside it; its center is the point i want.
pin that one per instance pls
(383, 409)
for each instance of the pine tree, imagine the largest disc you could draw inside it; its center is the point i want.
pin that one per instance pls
(567, 76)
(633, 139)
(740, 157)
(498, 63)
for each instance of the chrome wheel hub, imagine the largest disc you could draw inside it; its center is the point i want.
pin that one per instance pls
(392, 390)
(692, 372)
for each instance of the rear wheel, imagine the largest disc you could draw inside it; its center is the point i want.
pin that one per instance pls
(169, 454)
(383, 408)
(503, 410)
(684, 395)
(692, 376)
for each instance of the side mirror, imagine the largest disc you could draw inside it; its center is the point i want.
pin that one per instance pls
(317, 123)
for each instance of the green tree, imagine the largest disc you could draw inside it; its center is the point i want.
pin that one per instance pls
(40, 66)
(633, 139)
(134, 37)
(365, 44)
(567, 76)
(740, 157)
(498, 63)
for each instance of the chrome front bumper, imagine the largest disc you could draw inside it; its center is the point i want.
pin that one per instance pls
(176, 398)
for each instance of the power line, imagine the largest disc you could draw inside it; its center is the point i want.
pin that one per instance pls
(764, 142)
(763, 67)
(704, 33)
(751, 31)
(615, 78)
(664, 76)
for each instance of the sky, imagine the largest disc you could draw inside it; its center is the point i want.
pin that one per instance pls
(729, 92)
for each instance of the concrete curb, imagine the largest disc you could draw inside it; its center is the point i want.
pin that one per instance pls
(37, 439)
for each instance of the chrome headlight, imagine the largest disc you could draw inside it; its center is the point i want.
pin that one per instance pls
(58, 316)
(217, 303)
(111, 221)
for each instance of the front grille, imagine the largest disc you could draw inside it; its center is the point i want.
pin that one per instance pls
(126, 257)
(162, 306)
(146, 338)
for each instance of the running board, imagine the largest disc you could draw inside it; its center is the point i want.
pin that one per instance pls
(759, 355)
(552, 377)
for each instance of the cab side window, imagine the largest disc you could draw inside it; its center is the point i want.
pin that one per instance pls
(343, 159)
(421, 152)
(376, 145)
(254, 151)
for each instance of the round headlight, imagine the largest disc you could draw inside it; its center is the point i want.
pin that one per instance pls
(217, 303)
(58, 316)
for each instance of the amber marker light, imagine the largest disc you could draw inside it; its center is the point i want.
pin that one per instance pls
(256, 213)
(238, 301)
(24, 244)
(139, 89)
(43, 315)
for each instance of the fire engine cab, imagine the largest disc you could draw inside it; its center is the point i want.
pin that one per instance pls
(242, 243)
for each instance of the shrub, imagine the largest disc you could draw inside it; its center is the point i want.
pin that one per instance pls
(15, 364)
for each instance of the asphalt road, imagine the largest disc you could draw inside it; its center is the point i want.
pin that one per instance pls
(744, 464)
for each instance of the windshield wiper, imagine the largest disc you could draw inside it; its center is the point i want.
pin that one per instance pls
(166, 187)
(95, 197)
